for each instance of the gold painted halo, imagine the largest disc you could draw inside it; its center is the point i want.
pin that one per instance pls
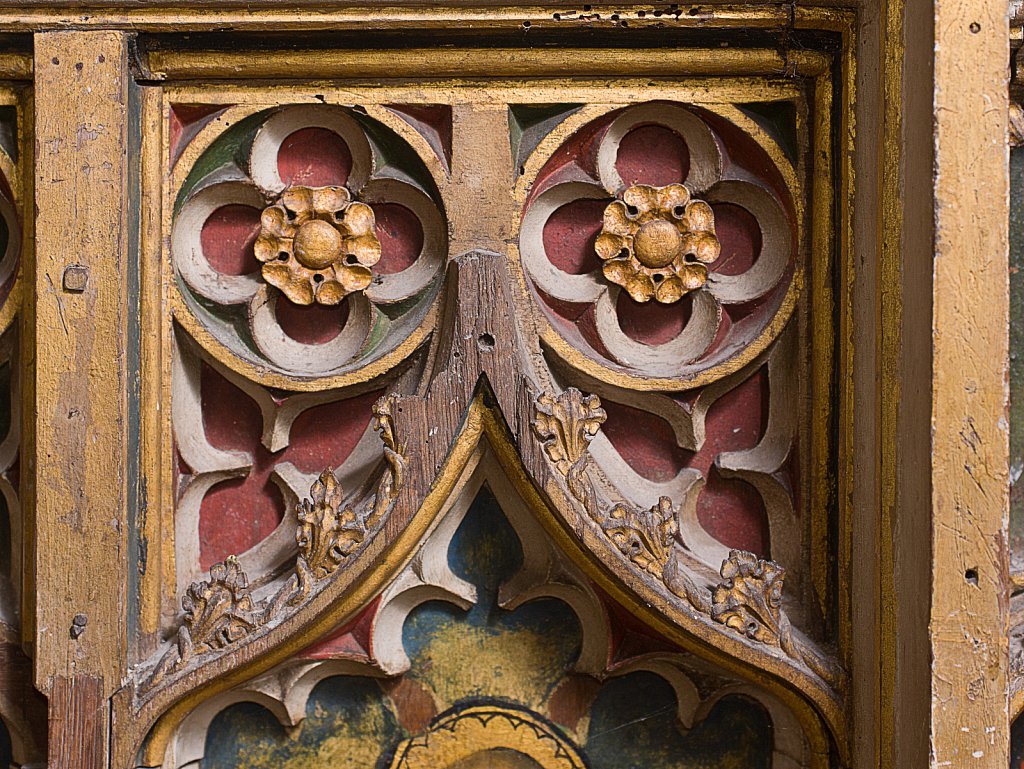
(488, 736)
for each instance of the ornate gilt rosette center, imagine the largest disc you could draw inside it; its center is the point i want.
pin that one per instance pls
(317, 245)
(657, 241)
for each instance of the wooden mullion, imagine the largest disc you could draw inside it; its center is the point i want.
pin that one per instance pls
(970, 358)
(80, 308)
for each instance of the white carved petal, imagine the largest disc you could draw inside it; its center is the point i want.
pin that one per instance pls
(10, 256)
(679, 419)
(705, 155)
(397, 286)
(760, 464)
(776, 242)
(667, 667)
(187, 416)
(630, 483)
(187, 247)
(307, 359)
(705, 547)
(351, 474)
(662, 359)
(186, 524)
(551, 280)
(263, 156)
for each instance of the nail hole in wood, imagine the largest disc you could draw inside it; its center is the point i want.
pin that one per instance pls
(971, 575)
(485, 342)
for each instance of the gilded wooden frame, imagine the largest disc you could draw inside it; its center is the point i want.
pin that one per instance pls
(965, 69)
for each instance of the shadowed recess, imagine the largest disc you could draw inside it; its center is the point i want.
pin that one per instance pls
(529, 123)
(1017, 744)
(1016, 358)
(778, 119)
(6, 756)
(633, 725)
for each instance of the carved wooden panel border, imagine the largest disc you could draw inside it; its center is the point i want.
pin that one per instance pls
(224, 333)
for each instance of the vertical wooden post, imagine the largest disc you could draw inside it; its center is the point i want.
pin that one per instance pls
(483, 164)
(82, 371)
(969, 472)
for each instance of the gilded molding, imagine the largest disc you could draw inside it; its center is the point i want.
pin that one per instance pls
(391, 482)
(749, 601)
(221, 611)
(644, 536)
(327, 532)
(566, 424)
(458, 737)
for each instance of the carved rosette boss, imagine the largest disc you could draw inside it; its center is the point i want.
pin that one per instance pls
(317, 243)
(662, 244)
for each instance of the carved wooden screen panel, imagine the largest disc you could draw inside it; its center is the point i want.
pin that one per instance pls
(485, 409)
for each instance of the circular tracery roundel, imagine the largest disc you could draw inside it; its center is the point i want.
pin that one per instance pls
(661, 243)
(308, 241)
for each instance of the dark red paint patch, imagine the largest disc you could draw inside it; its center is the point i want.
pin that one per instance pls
(237, 514)
(740, 236)
(314, 157)
(227, 238)
(731, 510)
(434, 122)
(653, 323)
(351, 641)
(311, 324)
(653, 154)
(401, 237)
(645, 441)
(325, 435)
(569, 236)
(186, 120)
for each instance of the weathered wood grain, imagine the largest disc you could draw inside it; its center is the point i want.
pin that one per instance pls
(78, 720)
(81, 383)
(969, 460)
